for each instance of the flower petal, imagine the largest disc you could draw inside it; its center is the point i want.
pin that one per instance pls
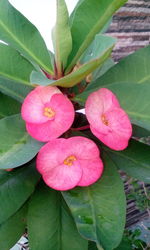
(64, 116)
(63, 177)
(64, 110)
(46, 92)
(97, 104)
(50, 164)
(33, 106)
(108, 98)
(82, 148)
(51, 155)
(92, 171)
(119, 122)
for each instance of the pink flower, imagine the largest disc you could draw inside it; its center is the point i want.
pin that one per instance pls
(108, 121)
(66, 163)
(47, 112)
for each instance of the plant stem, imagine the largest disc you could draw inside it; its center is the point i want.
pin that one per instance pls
(99, 247)
(81, 128)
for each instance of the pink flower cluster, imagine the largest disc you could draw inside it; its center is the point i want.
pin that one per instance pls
(66, 163)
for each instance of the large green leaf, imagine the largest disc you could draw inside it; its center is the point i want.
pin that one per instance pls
(78, 75)
(16, 146)
(133, 68)
(126, 244)
(87, 19)
(140, 132)
(50, 225)
(134, 99)
(17, 31)
(99, 210)
(100, 44)
(102, 70)
(13, 66)
(12, 229)
(62, 39)
(15, 188)
(16, 91)
(134, 160)
(8, 106)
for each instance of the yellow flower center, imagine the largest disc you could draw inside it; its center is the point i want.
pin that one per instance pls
(104, 120)
(69, 160)
(49, 112)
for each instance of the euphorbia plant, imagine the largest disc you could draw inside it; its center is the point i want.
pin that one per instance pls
(85, 152)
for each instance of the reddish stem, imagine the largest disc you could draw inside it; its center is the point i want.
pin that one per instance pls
(81, 128)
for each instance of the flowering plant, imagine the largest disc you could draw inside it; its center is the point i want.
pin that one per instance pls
(59, 175)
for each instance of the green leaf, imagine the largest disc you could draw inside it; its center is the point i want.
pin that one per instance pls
(40, 78)
(13, 66)
(99, 210)
(8, 106)
(100, 44)
(133, 68)
(102, 70)
(92, 246)
(126, 244)
(16, 146)
(17, 31)
(134, 160)
(12, 229)
(15, 188)
(62, 39)
(50, 225)
(16, 91)
(87, 19)
(140, 132)
(78, 75)
(106, 26)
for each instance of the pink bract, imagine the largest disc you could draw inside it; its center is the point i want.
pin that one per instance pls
(47, 112)
(66, 163)
(108, 121)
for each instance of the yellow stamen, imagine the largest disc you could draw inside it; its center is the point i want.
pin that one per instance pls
(104, 120)
(69, 160)
(49, 112)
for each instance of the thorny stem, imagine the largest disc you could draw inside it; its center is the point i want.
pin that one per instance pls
(81, 128)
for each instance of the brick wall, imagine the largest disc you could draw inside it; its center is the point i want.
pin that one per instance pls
(131, 25)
